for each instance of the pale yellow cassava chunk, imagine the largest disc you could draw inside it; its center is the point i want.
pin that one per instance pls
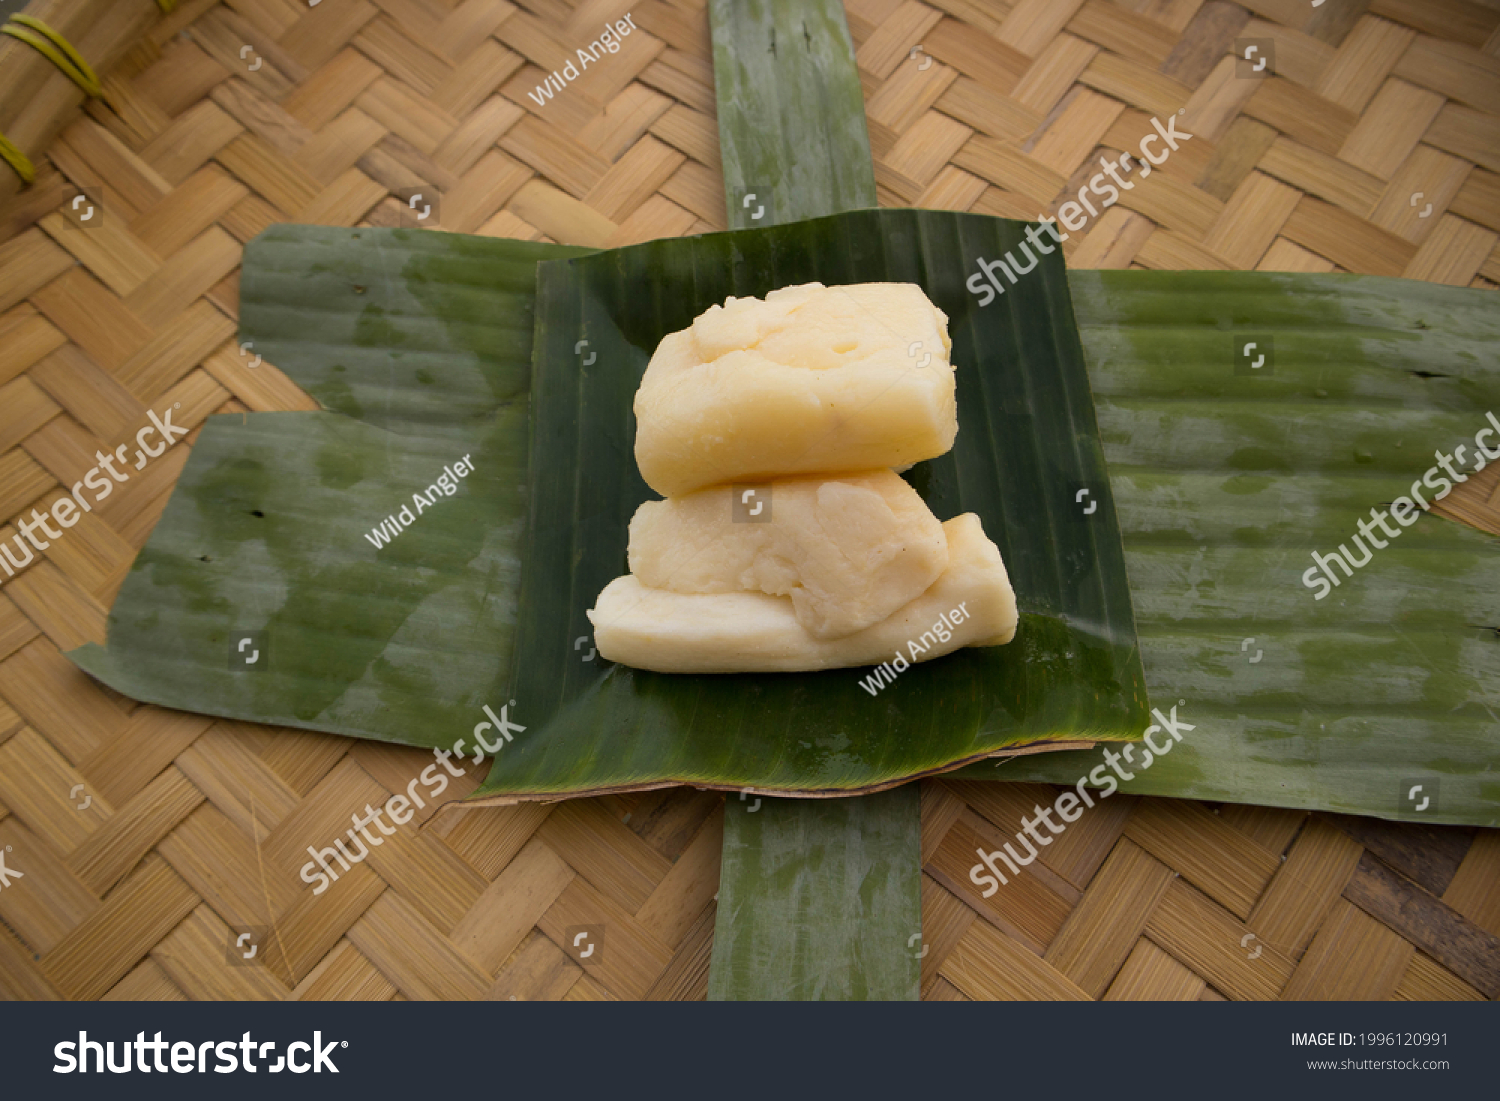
(812, 379)
(754, 633)
(848, 550)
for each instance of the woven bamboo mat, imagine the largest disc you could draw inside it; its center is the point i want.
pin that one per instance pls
(149, 842)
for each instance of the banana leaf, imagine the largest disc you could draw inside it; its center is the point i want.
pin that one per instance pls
(795, 920)
(418, 345)
(1227, 481)
(1221, 491)
(791, 112)
(820, 900)
(1026, 447)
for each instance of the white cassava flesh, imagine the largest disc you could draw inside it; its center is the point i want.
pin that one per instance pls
(751, 632)
(813, 379)
(848, 550)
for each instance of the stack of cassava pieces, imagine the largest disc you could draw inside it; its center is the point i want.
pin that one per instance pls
(787, 540)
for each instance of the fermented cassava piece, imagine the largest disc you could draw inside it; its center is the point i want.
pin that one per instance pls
(813, 379)
(745, 632)
(848, 551)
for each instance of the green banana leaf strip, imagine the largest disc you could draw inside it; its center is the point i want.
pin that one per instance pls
(1226, 483)
(1026, 447)
(820, 900)
(791, 112)
(779, 933)
(419, 346)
